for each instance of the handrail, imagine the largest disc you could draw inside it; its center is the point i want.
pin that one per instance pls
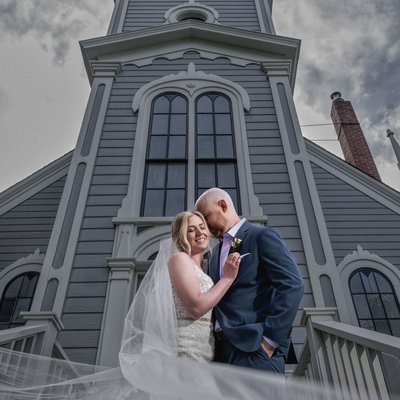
(20, 332)
(27, 339)
(364, 337)
(353, 360)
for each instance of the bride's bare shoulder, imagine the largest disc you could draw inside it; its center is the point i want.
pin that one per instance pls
(178, 258)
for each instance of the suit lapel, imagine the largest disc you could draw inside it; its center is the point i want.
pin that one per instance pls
(242, 232)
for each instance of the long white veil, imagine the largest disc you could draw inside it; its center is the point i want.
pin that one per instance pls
(149, 366)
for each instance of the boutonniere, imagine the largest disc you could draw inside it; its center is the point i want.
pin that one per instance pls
(235, 244)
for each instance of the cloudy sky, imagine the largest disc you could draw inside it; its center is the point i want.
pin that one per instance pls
(350, 46)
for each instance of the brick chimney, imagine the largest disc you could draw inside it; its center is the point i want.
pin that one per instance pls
(351, 137)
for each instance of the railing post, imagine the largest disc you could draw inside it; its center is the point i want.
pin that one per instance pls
(44, 344)
(319, 357)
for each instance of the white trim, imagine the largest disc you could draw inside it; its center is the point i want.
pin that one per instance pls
(361, 258)
(201, 11)
(121, 8)
(190, 83)
(159, 40)
(298, 154)
(192, 80)
(174, 51)
(268, 10)
(34, 183)
(62, 274)
(86, 157)
(123, 278)
(113, 18)
(260, 15)
(361, 181)
(31, 263)
(42, 316)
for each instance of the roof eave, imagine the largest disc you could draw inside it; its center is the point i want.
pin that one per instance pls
(283, 48)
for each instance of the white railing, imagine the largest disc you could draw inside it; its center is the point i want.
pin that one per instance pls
(353, 360)
(26, 339)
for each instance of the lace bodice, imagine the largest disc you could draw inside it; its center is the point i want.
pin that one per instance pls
(195, 337)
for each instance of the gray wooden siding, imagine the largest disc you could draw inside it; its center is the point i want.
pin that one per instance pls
(354, 218)
(87, 289)
(83, 307)
(234, 13)
(28, 226)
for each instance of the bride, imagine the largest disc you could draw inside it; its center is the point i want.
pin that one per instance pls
(167, 342)
(193, 291)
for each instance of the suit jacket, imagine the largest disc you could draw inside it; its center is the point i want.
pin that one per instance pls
(264, 298)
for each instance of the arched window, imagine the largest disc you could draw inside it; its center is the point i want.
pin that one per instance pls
(171, 146)
(216, 163)
(17, 297)
(188, 140)
(165, 184)
(375, 302)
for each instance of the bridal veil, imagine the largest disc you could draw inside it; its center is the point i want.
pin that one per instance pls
(149, 367)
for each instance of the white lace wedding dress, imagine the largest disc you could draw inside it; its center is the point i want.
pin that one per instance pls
(195, 337)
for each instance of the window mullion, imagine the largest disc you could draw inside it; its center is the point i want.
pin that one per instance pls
(191, 159)
(16, 301)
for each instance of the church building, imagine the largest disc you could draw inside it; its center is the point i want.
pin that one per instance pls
(188, 95)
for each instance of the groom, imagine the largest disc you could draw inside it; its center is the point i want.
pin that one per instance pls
(255, 317)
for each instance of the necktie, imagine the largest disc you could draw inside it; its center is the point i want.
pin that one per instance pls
(226, 240)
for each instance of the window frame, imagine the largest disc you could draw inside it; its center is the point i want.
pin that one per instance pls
(18, 297)
(192, 159)
(191, 83)
(373, 317)
(31, 264)
(362, 259)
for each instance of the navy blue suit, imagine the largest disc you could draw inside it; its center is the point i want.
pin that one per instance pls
(262, 301)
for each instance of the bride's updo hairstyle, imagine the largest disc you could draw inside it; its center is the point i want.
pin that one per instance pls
(179, 229)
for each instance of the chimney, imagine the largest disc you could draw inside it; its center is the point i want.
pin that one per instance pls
(351, 137)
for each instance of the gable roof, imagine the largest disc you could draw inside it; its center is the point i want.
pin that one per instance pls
(343, 170)
(34, 183)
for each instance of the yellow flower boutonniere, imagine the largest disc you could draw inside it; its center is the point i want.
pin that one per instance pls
(235, 244)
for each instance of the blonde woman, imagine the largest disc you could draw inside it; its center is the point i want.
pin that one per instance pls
(193, 290)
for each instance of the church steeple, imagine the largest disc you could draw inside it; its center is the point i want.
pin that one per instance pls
(250, 15)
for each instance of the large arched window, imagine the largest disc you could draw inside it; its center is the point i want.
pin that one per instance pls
(202, 139)
(171, 146)
(375, 302)
(17, 297)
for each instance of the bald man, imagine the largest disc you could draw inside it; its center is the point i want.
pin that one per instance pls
(253, 321)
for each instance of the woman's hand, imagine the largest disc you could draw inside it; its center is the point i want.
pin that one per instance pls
(231, 267)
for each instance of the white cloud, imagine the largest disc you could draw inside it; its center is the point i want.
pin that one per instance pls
(43, 86)
(353, 47)
(55, 24)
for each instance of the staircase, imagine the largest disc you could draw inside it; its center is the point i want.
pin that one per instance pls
(350, 359)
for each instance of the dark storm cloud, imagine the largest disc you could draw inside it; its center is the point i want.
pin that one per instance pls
(353, 47)
(55, 24)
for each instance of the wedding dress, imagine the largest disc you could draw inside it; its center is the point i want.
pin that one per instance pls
(195, 337)
(159, 359)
